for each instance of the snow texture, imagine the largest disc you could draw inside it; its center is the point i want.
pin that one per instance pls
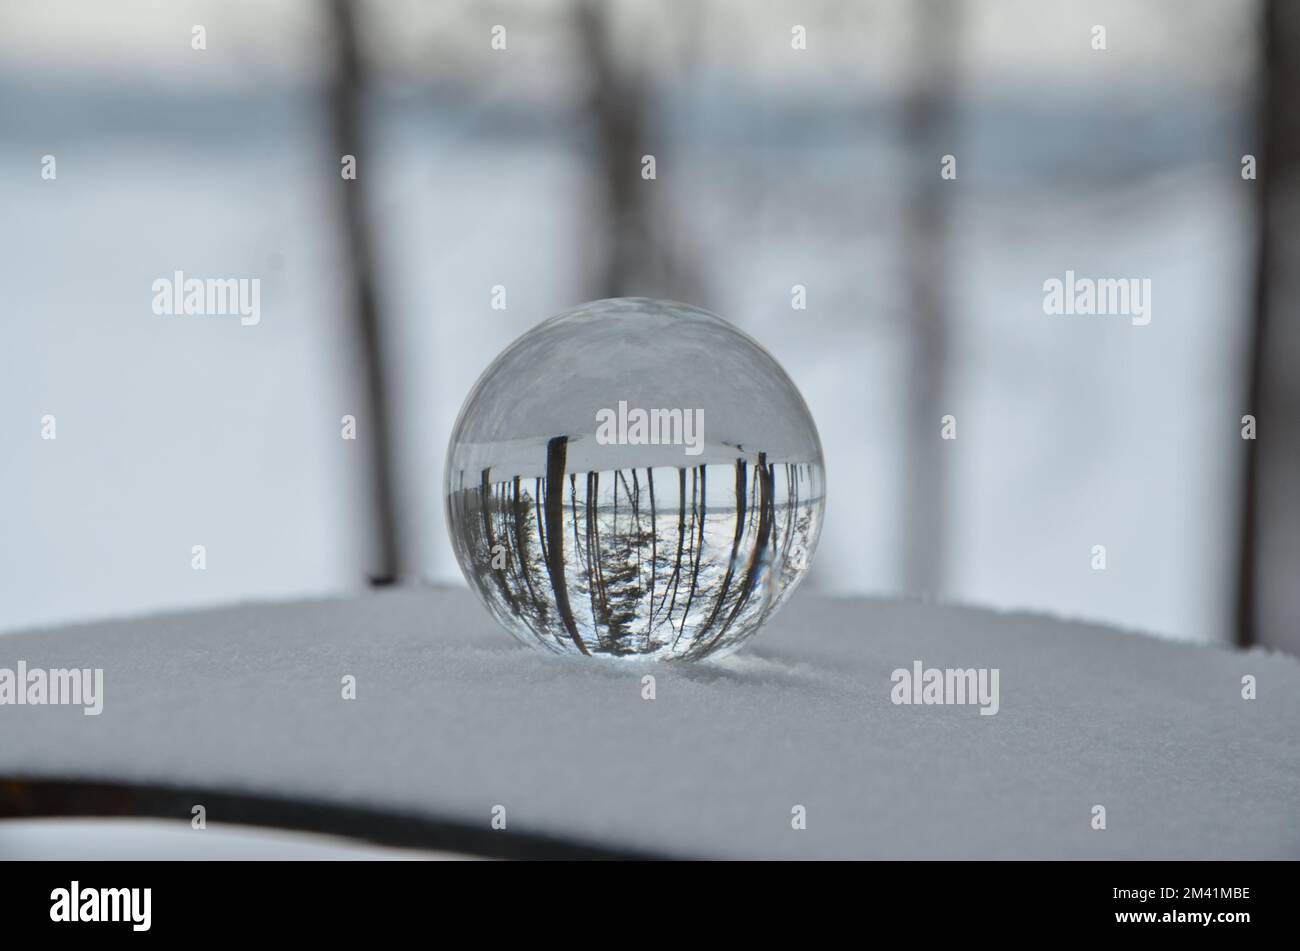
(452, 717)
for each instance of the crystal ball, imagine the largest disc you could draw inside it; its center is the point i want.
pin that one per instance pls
(634, 479)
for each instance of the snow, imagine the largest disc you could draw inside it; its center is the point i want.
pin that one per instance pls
(452, 718)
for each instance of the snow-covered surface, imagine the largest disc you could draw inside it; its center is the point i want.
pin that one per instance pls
(453, 718)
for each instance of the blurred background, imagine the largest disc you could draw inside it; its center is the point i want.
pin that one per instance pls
(481, 169)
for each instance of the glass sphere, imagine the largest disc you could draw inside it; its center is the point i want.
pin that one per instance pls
(634, 479)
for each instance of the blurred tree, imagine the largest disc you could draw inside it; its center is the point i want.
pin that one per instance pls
(618, 112)
(348, 138)
(927, 116)
(636, 258)
(1268, 599)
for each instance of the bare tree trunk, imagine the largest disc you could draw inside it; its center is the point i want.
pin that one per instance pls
(635, 258)
(617, 109)
(345, 98)
(1268, 601)
(927, 135)
(556, 566)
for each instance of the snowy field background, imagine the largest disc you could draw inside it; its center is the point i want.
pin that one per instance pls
(772, 172)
